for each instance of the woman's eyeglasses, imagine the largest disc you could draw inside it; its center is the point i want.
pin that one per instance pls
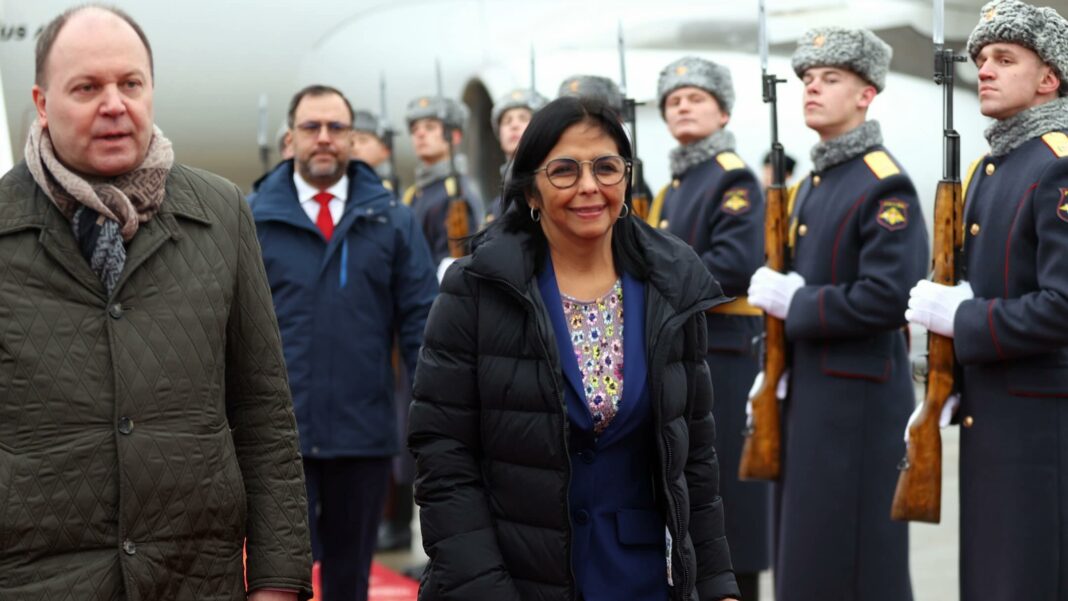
(564, 173)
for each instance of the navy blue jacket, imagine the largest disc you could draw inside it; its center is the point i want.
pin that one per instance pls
(617, 538)
(1013, 344)
(340, 305)
(861, 244)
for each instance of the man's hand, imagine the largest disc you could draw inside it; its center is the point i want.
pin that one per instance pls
(933, 306)
(270, 595)
(772, 291)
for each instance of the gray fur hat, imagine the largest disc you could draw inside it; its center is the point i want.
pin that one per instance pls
(593, 86)
(366, 121)
(450, 112)
(520, 98)
(858, 50)
(699, 73)
(1040, 29)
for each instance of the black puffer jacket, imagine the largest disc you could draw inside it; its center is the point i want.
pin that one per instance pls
(489, 431)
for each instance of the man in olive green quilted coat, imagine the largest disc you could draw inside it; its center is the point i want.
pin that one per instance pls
(146, 427)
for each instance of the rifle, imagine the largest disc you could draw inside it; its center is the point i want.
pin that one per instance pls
(456, 219)
(918, 496)
(639, 199)
(762, 450)
(386, 135)
(261, 135)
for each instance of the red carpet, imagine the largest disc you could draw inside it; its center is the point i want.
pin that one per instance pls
(386, 585)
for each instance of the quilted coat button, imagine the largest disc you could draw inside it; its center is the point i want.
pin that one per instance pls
(126, 425)
(582, 516)
(115, 311)
(129, 547)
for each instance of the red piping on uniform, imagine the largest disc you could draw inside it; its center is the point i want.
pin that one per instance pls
(838, 238)
(993, 333)
(1012, 228)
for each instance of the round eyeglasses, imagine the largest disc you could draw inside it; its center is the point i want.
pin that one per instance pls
(608, 170)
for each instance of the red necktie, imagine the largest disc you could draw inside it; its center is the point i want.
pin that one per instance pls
(325, 222)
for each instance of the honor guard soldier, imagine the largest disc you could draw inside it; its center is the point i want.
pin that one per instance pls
(369, 146)
(715, 204)
(510, 116)
(605, 90)
(1007, 315)
(436, 126)
(858, 243)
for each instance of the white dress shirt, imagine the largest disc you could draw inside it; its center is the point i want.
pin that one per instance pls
(306, 195)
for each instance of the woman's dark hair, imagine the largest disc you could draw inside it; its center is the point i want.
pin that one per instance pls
(541, 135)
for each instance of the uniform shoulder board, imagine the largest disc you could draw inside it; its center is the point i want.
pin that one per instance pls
(388, 185)
(729, 161)
(409, 194)
(881, 164)
(1057, 142)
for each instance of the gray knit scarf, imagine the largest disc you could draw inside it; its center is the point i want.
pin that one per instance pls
(118, 205)
(1005, 135)
(847, 146)
(685, 156)
(428, 174)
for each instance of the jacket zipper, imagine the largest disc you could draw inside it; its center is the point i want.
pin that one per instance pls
(540, 327)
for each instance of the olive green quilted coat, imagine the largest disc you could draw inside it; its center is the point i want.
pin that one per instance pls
(144, 436)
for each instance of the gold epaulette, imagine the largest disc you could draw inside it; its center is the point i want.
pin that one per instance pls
(881, 164)
(738, 306)
(388, 185)
(729, 161)
(791, 197)
(1057, 142)
(409, 194)
(656, 209)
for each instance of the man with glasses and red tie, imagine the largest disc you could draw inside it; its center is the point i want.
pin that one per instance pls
(349, 270)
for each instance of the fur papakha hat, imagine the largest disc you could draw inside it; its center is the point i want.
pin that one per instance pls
(520, 98)
(366, 121)
(593, 86)
(1041, 29)
(699, 73)
(857, 50)
(451, 112)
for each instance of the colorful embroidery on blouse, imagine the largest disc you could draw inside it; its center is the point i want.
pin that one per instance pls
(597, 336)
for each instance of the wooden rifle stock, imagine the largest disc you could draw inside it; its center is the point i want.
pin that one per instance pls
(761, 452)
(919, 485)
(456, 219)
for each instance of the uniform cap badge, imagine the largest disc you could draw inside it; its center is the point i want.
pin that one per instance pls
(990, 14)
(1062, 205)
(574, 85)
(517, 95)
(681, 70)
(893, 214)
(424, 102)
(819, 41)
(736, 201)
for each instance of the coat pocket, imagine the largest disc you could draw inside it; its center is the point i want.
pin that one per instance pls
(1042, 381)
(728, 334)
(640, 527)
(864, 359)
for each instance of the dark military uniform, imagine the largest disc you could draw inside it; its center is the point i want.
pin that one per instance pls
(718, 209)
(431, 206)
(1013, 344)
(860, 242)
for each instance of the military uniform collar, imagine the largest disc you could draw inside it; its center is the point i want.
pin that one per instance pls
(686, 156)
(1006, 135)
(847, 146)
(428, 174)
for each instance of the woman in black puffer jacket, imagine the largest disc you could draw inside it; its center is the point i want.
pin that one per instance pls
(564, 446)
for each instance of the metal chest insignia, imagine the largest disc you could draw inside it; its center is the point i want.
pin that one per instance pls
(1062, 205)
(736, 201)
(893, 214)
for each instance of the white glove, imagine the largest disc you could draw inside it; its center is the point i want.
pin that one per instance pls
(949, 409)
(780, 389)
(933, 305)
(772, 291)
(444, 266)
